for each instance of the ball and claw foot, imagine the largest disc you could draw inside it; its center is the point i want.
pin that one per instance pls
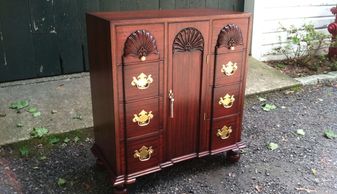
(120, 189)
(233, 156)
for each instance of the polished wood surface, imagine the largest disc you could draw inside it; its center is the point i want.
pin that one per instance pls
(182, 51)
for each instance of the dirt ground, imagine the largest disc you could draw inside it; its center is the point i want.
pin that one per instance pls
(301, 164)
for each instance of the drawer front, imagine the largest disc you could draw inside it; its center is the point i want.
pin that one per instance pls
(230, 35)
(228, 68)
(140, 81)
(226, 100)
(143, 117)
(225, 132)
(140, 43)
(143, 154)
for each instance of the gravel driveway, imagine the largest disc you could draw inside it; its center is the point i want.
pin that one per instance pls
(301, 164)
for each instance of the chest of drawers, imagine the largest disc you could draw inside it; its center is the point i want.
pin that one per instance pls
(167, 86)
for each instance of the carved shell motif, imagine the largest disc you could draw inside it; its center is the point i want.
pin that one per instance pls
(230, 36)
(188, 39)
(140, 44)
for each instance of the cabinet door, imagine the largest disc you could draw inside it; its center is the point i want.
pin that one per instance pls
(187, 56)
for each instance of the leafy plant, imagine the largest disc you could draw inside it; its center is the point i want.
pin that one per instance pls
(268, 107)
(39, 132)
(302, 45)
(330, 134)
(36, 114)
(24, 151)
(20, 104)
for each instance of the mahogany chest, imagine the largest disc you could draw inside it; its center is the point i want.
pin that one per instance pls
(166, 86)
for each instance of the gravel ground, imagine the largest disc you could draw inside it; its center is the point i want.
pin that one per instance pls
(301, 164)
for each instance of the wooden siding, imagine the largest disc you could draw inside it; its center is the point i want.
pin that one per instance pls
(269, 15)
(41, 38)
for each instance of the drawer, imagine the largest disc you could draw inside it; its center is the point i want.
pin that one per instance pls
(226, 100)
(143, 154)
(227, 32)
(143, 117)
(225, 132)
(140, 43)
(140, 81)
(228, 68)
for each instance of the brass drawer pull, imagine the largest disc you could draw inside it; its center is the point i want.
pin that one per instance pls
(143, 118)
(229, 69)
(144, 153)
(142, 82)
(227, 101)
(224, 132)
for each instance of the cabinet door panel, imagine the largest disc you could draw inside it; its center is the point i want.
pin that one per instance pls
(188, 45)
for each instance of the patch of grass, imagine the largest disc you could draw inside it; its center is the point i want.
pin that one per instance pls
(296, 89)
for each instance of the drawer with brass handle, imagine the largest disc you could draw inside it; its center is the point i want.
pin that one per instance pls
(226, 100)
(228, 68)
(143, 153)
(143, 117)
(140, 81)
(224, 132)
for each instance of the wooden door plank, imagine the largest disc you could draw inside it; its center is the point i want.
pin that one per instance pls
(44, 37)
(46, 53)
(83, 7)
(235, 5)
(148, 4)
(212, 3)
(182, 4)
(109, 5)
(167, 4)
(129, 5)
(197, 3)
(17, 41)
(68, 31)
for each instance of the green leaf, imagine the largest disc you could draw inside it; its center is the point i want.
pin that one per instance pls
(268, 107)
(300, 132)
(53, 140)
(39, 132)
(32, 109)
(36, 114)
(19, 125)
(42, 157)
(330, 134)
(61, 182)
(76, 139)
(24, 151)
(272, 146)
(261, 99)
(66, 140)
(20, 104)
